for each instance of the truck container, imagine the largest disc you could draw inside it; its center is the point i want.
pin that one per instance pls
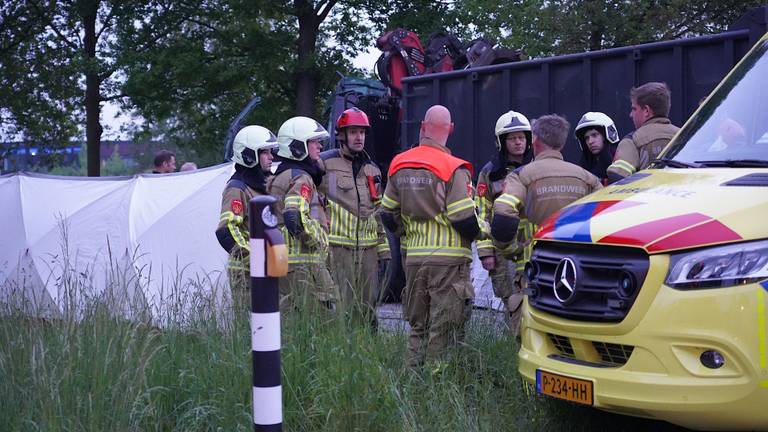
(571, 85)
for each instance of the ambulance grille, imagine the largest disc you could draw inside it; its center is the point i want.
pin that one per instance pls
(613, 354)
(606, 282)
(562, 344)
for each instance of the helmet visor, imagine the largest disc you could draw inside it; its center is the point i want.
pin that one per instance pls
(322, 139)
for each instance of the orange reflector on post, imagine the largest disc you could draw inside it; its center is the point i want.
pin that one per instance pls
(277, 260)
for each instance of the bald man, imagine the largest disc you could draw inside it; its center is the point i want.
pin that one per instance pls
(428, 202)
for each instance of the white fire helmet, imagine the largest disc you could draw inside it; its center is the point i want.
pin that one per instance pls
(293, 136)
(599, 121)
(248, 141)
(512, 121)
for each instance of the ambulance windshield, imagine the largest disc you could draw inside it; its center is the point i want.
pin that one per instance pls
(731, 128)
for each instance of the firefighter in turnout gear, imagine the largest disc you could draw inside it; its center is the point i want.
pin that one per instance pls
(545, 185)
(252, 154)
(650, 108)
(598, 139)
(513, 146)
(301, 214)
(428, 201)
(357, 240)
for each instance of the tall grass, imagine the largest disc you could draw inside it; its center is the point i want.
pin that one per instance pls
(101, 373)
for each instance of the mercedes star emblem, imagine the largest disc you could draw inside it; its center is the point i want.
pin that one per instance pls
(565, 280)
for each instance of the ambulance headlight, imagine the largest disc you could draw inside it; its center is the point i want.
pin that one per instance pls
(719, 266)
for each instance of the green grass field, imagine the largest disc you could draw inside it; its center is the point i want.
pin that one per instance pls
(104, 374)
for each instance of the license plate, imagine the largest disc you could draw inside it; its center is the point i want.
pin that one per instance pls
(564, 387)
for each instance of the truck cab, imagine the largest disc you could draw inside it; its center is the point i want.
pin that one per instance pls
(649, 297)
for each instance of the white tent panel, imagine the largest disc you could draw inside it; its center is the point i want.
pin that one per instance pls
(48, 199)
(69, 241)
(181, 231)
(159, 194)
(13, 238)
(76, 254)
(25, 291)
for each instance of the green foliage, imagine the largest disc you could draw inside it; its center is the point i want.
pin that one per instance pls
(189, 67)
(214, 58)
(38, 85)
(102, 373)
(421, 16)
(116, 166)
(571, 26)
(113, 166)
(62, 63)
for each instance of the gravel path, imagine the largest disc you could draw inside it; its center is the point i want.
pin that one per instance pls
(391, 318)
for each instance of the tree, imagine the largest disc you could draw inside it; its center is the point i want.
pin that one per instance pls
(215, 56)
(570, 26)
(64, 61)
(189, 66)
(423, 17)
(221, 54)
(33, 106)
(72, 65)
(309, 16)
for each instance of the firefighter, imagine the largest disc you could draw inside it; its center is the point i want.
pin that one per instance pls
(301, 214)
(252, 154)
(650, 108)
(428, 200)
(544, 186)
(357, 240)
(513, 146)
(598, 138)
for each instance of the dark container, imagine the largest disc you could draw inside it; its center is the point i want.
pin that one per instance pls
(571, 85)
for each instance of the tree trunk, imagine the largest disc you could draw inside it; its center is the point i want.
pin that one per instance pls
(596, 32)
(305, 69)
(92, 94)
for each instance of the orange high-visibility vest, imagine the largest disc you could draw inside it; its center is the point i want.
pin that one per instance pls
(439, 162)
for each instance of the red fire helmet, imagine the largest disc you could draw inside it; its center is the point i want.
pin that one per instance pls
(352, 117)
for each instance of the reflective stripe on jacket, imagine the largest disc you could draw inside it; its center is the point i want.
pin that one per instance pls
(295, 191)
(427, 207)
(353, 188)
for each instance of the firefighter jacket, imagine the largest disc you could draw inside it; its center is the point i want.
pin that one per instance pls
(598, 164)
(233, 231)
(539, 189)
(639, 148)
(490, 185)
(429, 200)
(352, 185)
(300, 211)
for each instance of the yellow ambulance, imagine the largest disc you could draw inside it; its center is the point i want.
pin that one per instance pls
(649, 297)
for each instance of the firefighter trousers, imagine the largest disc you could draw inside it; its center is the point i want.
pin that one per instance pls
(356, 273)
(508, 286)
(307, 285)
(437, 302)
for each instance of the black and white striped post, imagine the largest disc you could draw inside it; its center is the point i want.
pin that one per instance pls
(269, 260)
